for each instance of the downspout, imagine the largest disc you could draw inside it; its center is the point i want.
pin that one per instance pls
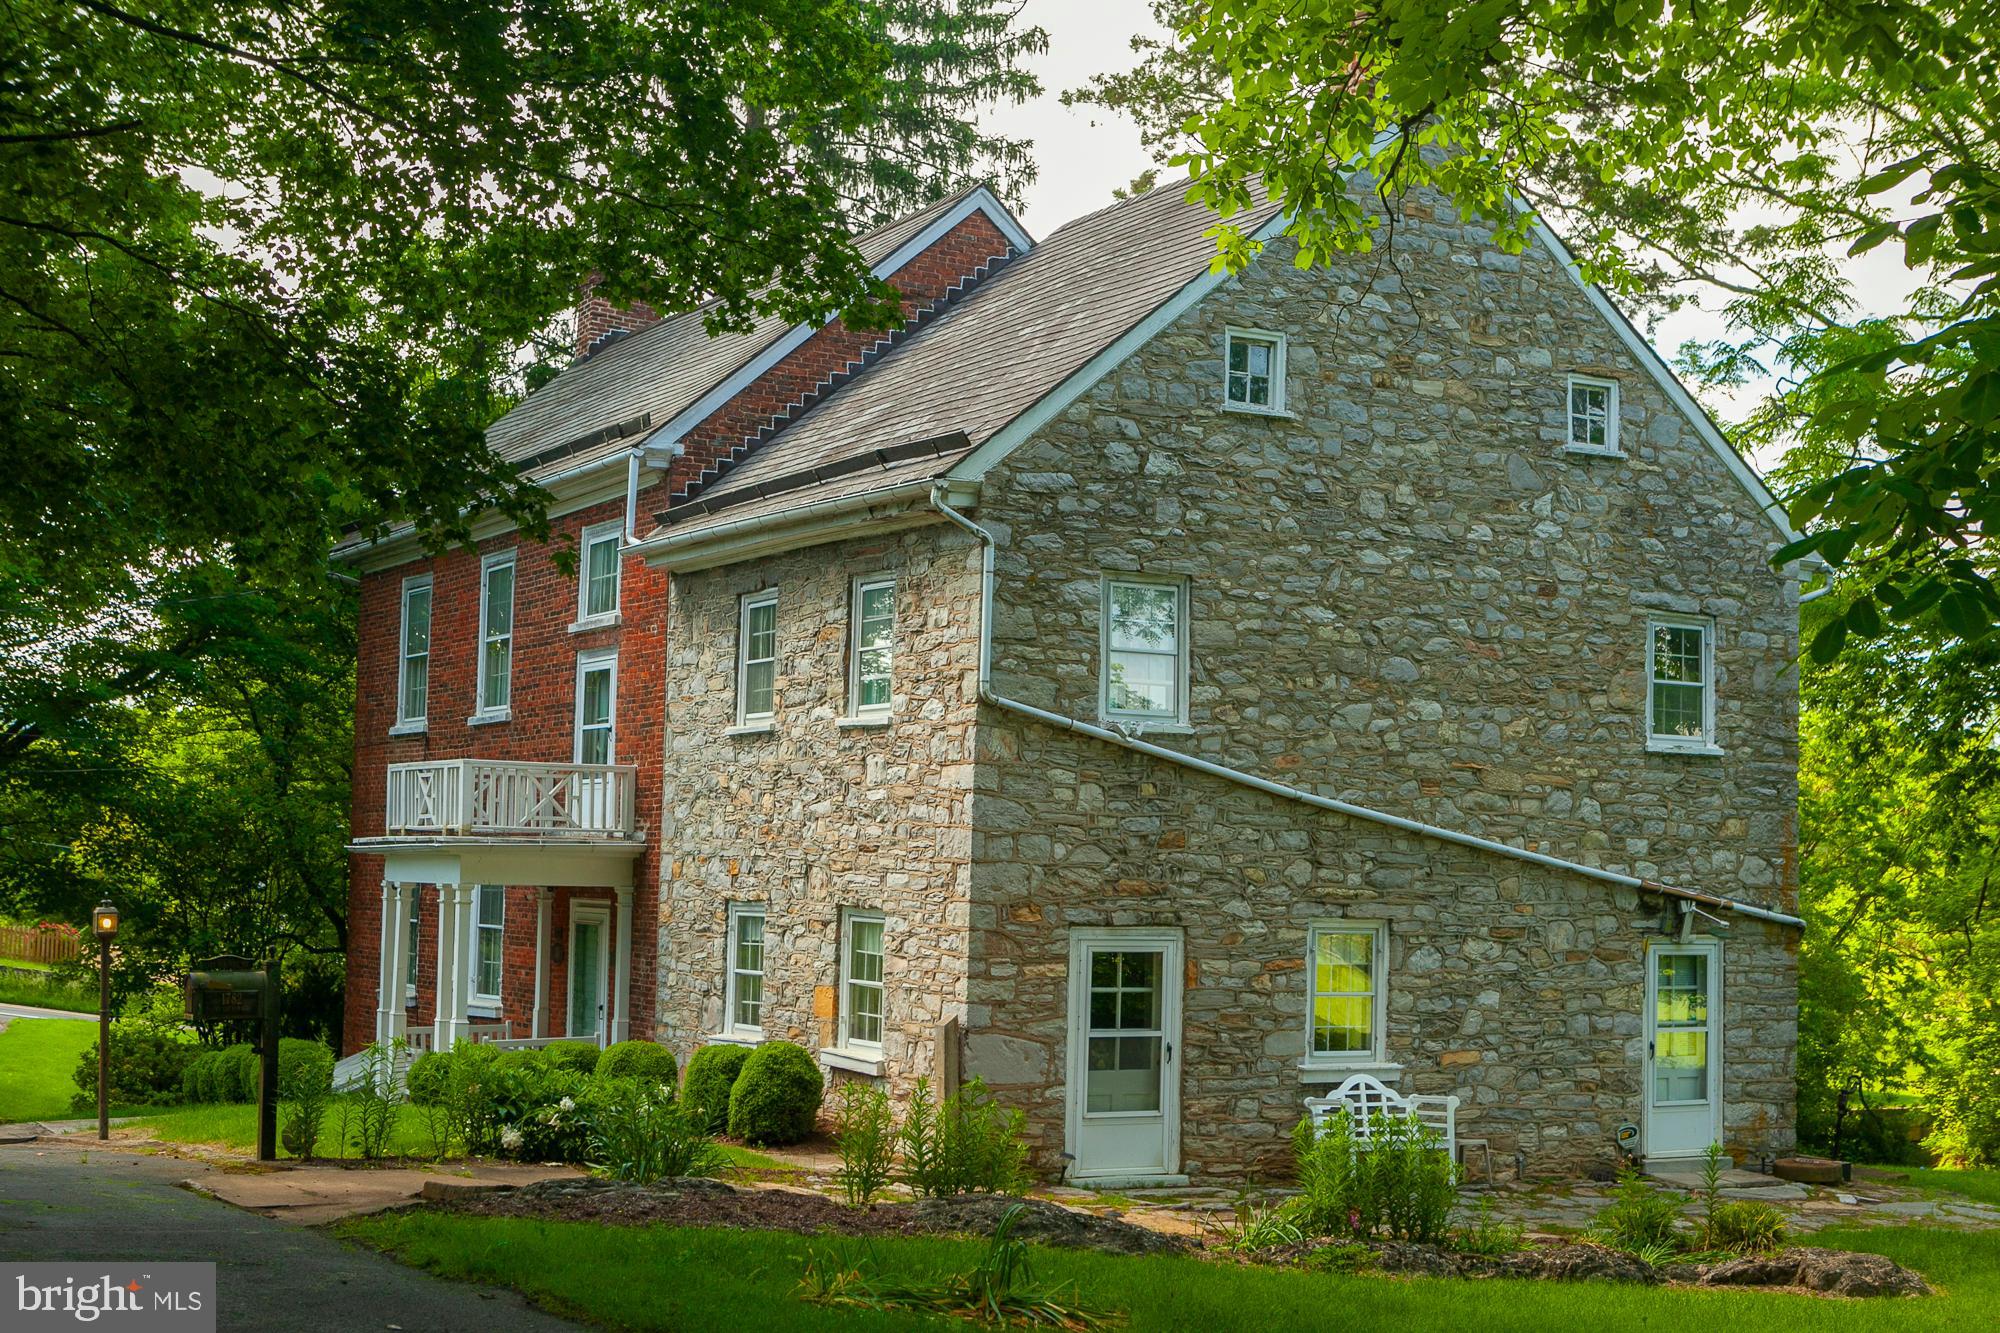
(636, 458)
(1110, 737)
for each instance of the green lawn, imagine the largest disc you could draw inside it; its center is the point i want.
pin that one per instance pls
(1982, 1185)
(44, 993)
(38, 1058)
(661, 1278)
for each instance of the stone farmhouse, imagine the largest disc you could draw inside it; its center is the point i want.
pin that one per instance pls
(1161, 694)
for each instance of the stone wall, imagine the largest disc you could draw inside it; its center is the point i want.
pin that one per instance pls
(812, 816)
(1406, 594)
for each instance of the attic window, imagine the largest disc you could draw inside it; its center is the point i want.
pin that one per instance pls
(1254, 372)
(1593, 416)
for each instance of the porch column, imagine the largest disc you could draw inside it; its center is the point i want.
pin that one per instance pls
(402, 948)
(544, 907)
(385, 963)
(621, 1011)
(449, 982)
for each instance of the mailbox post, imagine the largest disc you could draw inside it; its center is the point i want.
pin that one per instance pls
(229, 988)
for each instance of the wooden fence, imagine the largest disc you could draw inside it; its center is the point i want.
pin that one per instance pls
(33, 945)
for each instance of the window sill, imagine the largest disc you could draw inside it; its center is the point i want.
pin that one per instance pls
(1310, 1072)
(1245, 409)
(490, 717)
(419, 727)
(588, 623)
(854, 1061)
(1706, 749)
(490, 1009)
(1140, 728)
(1582, 451)
(737, 1038)
(764, 728)
(864, 720)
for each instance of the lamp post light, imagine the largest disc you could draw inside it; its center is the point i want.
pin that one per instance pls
(104, 923)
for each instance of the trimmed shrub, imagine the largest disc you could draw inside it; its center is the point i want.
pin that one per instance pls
(231, 1074)
(776, 1096)
(711, 1077)
(577, 1057)
(647, 1061)
(428, 1077)
(145, 1069)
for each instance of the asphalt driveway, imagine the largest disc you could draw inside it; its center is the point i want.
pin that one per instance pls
(62, 1203)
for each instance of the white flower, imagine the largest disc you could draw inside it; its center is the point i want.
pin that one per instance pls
(567, 1103)
(510, 1138)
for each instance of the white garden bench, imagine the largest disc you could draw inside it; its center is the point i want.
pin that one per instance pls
(1363, 1097)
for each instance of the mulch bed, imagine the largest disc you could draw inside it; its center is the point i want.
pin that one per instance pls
(711, 1203)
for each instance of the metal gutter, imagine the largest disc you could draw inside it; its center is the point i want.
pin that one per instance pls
(1279, 789)
(660, 549)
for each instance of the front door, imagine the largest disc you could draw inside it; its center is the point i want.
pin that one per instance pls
(588, 929)
(1124, 1085)
(1683, 1049)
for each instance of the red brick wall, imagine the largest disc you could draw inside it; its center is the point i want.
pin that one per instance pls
(596, 317)
(544, 668)
(541, 729)
(957, 255)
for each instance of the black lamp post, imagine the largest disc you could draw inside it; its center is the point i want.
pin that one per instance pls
(104, 923)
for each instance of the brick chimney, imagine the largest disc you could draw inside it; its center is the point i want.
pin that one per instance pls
(599, 323)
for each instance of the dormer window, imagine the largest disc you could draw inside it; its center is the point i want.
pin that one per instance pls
(1593, 416)
(1254, 372)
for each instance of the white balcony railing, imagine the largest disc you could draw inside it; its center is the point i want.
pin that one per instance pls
(495, 796)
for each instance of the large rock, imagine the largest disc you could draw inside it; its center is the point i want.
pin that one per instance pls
(1567, 1263)
(1042, 1223)
(1831, 1272)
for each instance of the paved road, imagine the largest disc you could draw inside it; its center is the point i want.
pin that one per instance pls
(30, 1011)
(60, 1203)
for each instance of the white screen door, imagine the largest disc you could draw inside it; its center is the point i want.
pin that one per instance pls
(1683, 1061)
(588, 929)
(1125, 998)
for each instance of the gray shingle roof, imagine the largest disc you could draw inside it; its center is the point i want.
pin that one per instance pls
(994, 355)
(657, 372)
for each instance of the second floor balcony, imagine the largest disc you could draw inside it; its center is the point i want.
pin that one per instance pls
(481, 796)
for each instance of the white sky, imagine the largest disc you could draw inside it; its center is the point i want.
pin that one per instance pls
(1082, 153)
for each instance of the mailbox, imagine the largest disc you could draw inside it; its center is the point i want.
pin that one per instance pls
(222, 994)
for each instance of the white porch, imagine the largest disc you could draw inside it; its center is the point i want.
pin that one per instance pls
(441, 874)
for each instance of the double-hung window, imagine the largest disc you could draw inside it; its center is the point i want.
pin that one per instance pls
(757, 657)
(1680, 683)
(873, 646)
(597, 568)
(1593, 416)
(744, 1001)
(596, 707)
(1254, 371)
(1144, 650)
(861, 980)
(1346, 1008)
(496, 632)
(489, 913)
(413, 675)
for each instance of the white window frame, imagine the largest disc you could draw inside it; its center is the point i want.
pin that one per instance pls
(487, 709)
(596, 534)
(1179, 715)
(737, 912)
(747, 603)
(416, 935)
(481, 998)
(602, 659)
(1610, 448)
(1276, 407)
(848, 982)
(863, 585)
(1704, 743)
(1378, 971)
(405, 721)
